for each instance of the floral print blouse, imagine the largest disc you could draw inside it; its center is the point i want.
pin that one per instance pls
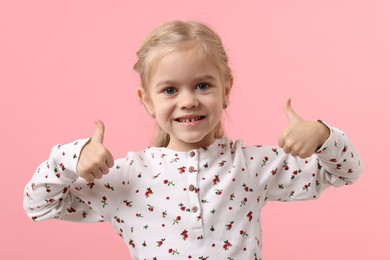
(200, 204)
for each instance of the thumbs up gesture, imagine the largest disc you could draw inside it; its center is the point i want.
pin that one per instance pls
(301, 138)
(95, 160)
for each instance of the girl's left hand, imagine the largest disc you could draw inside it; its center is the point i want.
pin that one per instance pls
(302, 138)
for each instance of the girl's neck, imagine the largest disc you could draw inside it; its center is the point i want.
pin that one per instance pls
(181, 146)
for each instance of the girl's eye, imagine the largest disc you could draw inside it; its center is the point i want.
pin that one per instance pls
(170, 91)
(203, 86)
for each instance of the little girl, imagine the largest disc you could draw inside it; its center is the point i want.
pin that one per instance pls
(195, 194)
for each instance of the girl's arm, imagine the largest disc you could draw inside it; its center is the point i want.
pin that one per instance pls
(311, 157)
(289, 178)
(57, 192)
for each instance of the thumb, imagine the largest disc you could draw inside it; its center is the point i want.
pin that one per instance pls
(98, 135)
(289, 111)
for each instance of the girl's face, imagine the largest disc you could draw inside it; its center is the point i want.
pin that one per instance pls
(187, 94)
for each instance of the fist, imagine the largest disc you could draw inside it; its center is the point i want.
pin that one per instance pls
(95, 160)
(301, 138)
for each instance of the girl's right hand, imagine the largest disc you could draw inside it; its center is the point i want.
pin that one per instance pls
(95, 160)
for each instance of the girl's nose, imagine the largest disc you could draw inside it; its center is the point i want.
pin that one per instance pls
(188, 100)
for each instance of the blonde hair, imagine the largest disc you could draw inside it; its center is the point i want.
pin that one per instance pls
(165, 39)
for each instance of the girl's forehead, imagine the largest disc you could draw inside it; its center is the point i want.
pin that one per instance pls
(179, 56)
(184, 67)
(183, 60)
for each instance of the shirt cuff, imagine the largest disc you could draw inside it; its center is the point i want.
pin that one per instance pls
(332, 146)
(66, 157)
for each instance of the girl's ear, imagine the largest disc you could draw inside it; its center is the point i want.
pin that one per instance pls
(144, 98)
(227, 91)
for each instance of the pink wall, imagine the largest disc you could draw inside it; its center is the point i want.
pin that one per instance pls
(65, 63)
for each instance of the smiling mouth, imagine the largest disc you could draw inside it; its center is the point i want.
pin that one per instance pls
(190, 120)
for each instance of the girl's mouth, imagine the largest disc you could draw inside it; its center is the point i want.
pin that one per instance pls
(189, 119)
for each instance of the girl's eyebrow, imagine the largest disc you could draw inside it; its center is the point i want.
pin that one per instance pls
(205, 77)
(197, 79)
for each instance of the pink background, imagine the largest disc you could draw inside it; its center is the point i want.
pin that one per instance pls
(65, 63)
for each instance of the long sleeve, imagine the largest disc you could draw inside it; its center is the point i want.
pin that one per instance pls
(287, 178)
(56, 191)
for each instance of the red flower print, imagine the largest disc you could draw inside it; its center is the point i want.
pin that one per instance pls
(227, 245)
(250, 216)
(108, 186)
(222, 163)
(58, 175)
(128, 203)
(218, 191)
(184, 234)
(160, 242)
(183, 208)
(176, 220)
(150, 208)
(243, 202)
(49, 200)
(173, 251)
(246, 188)
(182, 169)
(243, 233)
(295, 173)
(90, 185)
(104, 201)
(169, 183)
(285, 166)
(216, 180)
(148, 192)
(47, 187)
(306, 187)
(319, 165)
(70, 210)
(230, 225)
(156, 176)
(119, 220)
(265, 160)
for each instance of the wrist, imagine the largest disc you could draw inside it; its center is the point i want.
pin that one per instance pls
(324, 132)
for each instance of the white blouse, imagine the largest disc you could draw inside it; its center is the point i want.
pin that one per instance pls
(201, 204)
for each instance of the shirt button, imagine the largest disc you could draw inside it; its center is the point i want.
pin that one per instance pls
(192, 187)
(192, 154)
(194, 209)
(191, 169)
